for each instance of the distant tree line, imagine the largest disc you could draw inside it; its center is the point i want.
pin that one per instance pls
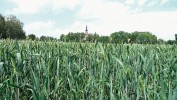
(116, 37)
(42, 38)
(11, 27)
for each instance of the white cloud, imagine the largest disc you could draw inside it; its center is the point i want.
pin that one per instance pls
(104, 17)
(163, 1)
(40, 28)
(152, 3)
(27, 6)
(39, 24)
(114, 16)
(162, 24)
(130, 2)
(142, 2)
(49, 28)
(35, 6)
(101, 9)
(69, 4)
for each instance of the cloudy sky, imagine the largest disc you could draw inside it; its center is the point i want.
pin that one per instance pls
(55, 17)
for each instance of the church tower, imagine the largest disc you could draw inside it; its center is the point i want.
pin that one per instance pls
(86, 31)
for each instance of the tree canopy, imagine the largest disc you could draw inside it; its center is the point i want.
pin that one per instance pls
(92, 37)
(46, 38)
(104, 39)
(74, 37)
(14, 28)
(31, 37)
(2, 26)
(11, 27)
(116, 37)
(143, 38)
(120, 37)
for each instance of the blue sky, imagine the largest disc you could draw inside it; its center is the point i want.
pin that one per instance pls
(56, 17)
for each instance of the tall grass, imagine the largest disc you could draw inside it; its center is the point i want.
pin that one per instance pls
(73, 71)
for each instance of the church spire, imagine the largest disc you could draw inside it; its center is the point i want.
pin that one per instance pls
(86, 31)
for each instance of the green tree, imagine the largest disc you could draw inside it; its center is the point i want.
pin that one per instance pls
(47, 38)
(143, 38)
(92, 37)
(120, 37)
(176, 37)
(133, 37)
(74, 37)
(62, 37)
(104, 39)
(2, 27)
(14, 28)
(31, 37)
(171, 42)
(79, 37)
(43, 38)
(160, 41)
(89, 38)
(95, 37)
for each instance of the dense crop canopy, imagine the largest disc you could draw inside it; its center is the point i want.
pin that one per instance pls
(73, 71)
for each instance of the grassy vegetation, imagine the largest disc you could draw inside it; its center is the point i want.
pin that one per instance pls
(73, 71)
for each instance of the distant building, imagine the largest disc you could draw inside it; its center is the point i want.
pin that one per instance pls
(86, 31)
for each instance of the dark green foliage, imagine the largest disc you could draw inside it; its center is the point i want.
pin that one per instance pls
(161, 41)
(116, 37)
(11, 27)
(14, 28)
(31, 37)
(171, 42)
(104, 39)
(2, 27)
(143, 38)
(62, 37)
(120, 37)
(74, 37)
(47, 38)
(92, 37)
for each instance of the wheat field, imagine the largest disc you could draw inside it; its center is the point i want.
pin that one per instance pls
(33, 70)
